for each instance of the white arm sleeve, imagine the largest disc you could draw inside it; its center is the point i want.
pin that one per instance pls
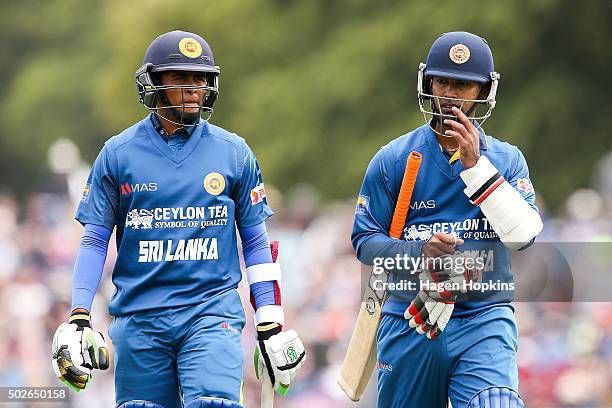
(512, 218)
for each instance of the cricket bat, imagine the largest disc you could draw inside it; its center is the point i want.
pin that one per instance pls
(267, 388)
(267, 391)
(360, 356)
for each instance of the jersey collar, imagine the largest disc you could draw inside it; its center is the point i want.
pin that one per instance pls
(440, 160)
(176, 156)
(162, 132)
(484, 143)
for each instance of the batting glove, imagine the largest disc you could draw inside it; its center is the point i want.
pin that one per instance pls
(428, 315)
(433, 306)
(77, 350)
(279, 355)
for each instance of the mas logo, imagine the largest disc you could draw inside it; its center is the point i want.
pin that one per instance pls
(214, 183)
(258, 194)
(419, 205)
(363, 205)
(383, 366)
(127, 188)
(524, 185)
(226, 326)
(190, 48)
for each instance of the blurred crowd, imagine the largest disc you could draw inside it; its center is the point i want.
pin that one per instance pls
(565, 349)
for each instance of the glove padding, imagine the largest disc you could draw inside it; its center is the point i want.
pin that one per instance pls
(76, 351)
(433, 306)
(280, 357)
(428, 315)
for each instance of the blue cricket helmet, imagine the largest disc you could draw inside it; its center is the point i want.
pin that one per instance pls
(462, 56)
(177, 51)
(180, 51)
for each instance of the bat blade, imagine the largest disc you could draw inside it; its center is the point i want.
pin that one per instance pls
(361, 353)
(360, 356)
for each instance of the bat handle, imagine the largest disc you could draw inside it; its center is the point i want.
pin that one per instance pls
(267, 391)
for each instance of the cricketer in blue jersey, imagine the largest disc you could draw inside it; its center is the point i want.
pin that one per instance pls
(175, 187)
(445, 337)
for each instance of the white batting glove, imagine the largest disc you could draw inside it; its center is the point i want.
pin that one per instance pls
(76, 351)
(279, 357)
(428, 315)
(433, 307)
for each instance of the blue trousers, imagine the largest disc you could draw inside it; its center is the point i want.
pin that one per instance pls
(473, 353)
(173, 356)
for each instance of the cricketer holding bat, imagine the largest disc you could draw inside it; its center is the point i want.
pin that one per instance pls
(175, 187)
(471, 188)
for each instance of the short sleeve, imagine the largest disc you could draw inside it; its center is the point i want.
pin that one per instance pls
(375, 203)
(99, 204)
(250, 197)
(519, 179)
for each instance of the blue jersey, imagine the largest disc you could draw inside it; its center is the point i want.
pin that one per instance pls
(176, 213)
(439, 205)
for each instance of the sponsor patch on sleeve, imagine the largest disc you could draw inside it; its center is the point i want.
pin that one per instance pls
(85, 195)
(363, 205)
(258, 194)
(524, 185)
